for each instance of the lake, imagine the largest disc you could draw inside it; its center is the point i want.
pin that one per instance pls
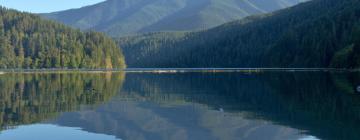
(247, 105)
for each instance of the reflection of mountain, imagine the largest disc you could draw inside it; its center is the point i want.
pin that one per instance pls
(143, 120)
(31, 98)
(191, 106)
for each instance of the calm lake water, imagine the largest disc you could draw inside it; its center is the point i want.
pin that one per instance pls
(180, 106)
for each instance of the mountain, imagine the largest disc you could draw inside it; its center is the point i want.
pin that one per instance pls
(27, 41)
(124, 17)
(319, 33)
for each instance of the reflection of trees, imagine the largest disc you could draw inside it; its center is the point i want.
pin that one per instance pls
(316, 103)
(311, 101)
(30, 98)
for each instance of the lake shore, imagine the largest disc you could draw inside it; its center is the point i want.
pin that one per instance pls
(173, 70)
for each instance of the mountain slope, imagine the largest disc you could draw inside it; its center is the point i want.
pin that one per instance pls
(27, 41)
(124, 17)
(320, 33)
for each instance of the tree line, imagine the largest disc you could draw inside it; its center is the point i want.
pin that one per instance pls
(27, 41)
(319, 33)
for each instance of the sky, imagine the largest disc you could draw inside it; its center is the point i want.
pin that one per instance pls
(45, 6)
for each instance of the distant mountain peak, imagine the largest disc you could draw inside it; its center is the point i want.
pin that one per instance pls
(125, 17)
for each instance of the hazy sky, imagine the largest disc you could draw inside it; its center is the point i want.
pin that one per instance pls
(43, 6)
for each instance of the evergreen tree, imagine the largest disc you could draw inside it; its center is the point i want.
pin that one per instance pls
(27, 41)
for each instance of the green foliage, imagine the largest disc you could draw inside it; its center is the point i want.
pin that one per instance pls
(127, 17)
(349, 57)
(313, 34)
(27, 41)
(342, 57)
(150, 48)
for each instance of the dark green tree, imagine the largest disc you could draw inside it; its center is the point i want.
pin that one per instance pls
(27, 41)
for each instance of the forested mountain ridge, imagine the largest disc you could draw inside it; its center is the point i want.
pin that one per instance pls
(27, 41)
(319, 33)
(126, 17)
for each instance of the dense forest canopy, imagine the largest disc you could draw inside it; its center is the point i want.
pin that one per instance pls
(27, 41)
(150, 49)
(319, 33)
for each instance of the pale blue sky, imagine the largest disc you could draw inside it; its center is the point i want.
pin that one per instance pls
(44, 6)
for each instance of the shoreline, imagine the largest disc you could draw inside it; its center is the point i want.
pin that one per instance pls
(176, 70)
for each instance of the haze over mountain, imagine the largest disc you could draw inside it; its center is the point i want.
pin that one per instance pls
(124, 17)
(319, 33)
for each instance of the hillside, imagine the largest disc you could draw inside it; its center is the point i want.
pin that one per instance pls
(125, 17)
(27, 41)
(319, 33)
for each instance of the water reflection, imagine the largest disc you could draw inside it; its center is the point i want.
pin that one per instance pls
(270, 105)
(319, 103)
(32, 98)
(53, 132)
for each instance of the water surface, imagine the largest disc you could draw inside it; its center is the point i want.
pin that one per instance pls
(180, 106)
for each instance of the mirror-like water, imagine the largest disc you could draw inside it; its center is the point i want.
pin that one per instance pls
(180, 106)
